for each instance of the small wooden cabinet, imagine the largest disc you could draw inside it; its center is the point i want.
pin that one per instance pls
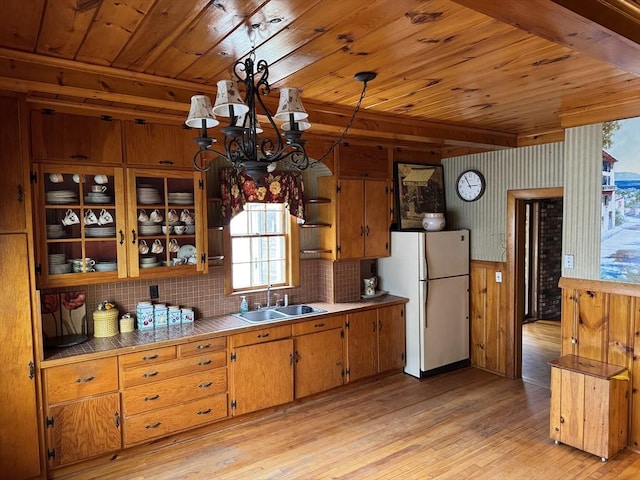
(75, 138)
(159, 145)
(170, 389)
(82, 410)
(359, 223)
(375, 341)
(589, 405)
(319, 355)
(262, 369)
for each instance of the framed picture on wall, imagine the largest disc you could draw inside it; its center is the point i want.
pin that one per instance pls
(419, 190)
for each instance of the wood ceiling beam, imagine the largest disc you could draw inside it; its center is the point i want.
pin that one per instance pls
(37, 75)
(592, 27)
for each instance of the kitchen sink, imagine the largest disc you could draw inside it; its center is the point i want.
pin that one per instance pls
(278, 313)
(297, 310)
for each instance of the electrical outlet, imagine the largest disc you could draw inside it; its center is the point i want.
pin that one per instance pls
(498, 277)
(154, 292)
(568, 261)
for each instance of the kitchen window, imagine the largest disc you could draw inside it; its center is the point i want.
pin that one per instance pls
(263, 246)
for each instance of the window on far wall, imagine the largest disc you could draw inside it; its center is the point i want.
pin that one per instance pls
(263, 244)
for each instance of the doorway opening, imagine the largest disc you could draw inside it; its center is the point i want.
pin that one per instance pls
(534, 260)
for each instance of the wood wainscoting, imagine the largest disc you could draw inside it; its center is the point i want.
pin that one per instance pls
(488, 316)
(601, 321)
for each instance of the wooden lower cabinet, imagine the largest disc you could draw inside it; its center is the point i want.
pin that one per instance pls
(83, 429)
(589, 405)
(82, 411)
(171, 389)
(375, 341)
(319, 355)
(262, 375)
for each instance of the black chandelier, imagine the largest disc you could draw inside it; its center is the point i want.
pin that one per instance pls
(243, 146)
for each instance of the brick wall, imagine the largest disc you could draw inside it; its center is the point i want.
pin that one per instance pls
(550, 255)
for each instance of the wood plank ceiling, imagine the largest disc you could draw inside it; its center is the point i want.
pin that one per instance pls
(453, 76)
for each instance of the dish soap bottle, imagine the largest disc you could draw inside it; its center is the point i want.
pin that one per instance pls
(244, 307)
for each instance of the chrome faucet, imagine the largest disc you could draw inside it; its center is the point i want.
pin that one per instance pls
(268, 296)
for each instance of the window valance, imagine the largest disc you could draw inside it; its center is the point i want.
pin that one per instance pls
(238, 188)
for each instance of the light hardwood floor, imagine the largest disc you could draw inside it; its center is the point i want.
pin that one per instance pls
(468, 424)
(540, 344)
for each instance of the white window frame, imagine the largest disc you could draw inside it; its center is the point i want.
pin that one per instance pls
(292, 251)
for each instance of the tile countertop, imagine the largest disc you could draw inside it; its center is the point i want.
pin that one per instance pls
(199, 330)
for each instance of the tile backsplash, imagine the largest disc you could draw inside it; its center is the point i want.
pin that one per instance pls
(321, 281)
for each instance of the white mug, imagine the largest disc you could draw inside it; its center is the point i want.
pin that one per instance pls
(56, 177)
(143, 247)
(179, 229)
(70, 218)
(90, 218)
(77, 178)
(105, 217)
(157, 247)
(186, 217)
(173, 216)
(155, 216)
(101, 179)
(173, 245)
(98, 188)
(142, 216)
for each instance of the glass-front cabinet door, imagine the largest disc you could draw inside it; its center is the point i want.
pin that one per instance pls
(80, 225)
(166, 222)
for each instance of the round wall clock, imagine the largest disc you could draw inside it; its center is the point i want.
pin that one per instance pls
(470, 185)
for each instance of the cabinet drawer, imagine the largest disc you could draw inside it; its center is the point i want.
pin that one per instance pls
(174, 368)
(82, 379)
(144, 398)
(198, 348)
(157, 423)
(260, 336)
(317, 325)
(147, 357)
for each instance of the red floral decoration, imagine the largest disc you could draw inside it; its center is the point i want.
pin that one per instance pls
(238, 188)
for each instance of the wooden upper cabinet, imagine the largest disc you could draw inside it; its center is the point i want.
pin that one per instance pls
(13, 189)
(377, 218)
(363, 161)
(159, 145)
(75, 138)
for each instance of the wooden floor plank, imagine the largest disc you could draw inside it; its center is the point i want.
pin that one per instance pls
(464, 424)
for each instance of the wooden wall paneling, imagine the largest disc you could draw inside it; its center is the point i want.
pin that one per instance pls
(478, 314)
(496, 305)
(592, 325)
(634, 370)
(620, 320)
(568, 322)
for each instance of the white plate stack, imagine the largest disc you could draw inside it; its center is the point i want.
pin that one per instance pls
(101, 232)
(149, 227)
(106, 266)
(148, 195)
(97, 197)
(149, 261)
(181, 198)
(58, 264)
(62, 196)
(56, 231)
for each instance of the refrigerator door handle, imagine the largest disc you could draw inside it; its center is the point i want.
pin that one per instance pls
(426, 301)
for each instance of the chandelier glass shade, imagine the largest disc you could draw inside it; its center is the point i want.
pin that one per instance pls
(243, 145)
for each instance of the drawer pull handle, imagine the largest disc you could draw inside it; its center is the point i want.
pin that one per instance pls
(79, 156)
(155, 425)
(200, 347)
(85, 380)
(204, 412)
(318, 325)
(204, 362)
(205, 385)
(263, 335)
(150, 357)
(165, 162)
(152, 374)
(154, 397)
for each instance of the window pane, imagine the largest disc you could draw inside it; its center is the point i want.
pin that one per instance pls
(240, 248)
(277, 271)
(238, 225)
(276, 248)
(241, 275)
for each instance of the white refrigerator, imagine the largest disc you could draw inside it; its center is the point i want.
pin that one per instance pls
(431, 269)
